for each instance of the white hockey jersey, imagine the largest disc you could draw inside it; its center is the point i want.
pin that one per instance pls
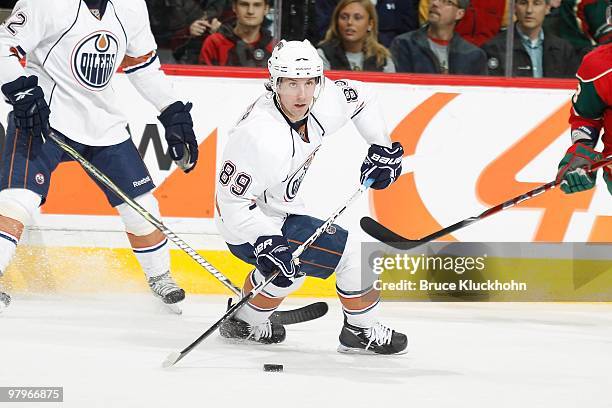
(265, 159)
(75, 56)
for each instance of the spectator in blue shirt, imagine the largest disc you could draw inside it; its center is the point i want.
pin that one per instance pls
(537, 52)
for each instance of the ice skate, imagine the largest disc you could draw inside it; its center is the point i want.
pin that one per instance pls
(167, 290)
(5, 300)
(378, 339)
(265, 333)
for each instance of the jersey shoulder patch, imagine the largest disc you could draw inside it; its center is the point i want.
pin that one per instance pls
(596, 64)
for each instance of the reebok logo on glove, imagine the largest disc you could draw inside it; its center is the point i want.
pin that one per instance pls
(20, 95)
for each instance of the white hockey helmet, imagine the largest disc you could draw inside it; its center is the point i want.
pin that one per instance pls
(295, 59)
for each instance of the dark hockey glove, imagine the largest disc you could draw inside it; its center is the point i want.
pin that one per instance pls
(30, 109)
(182, 143)
(273, 253)
(383, 164)
(573, 168)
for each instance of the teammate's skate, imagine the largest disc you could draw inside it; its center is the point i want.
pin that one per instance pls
(266, 333)
(5, 300)
(167, 290)
(378, 339)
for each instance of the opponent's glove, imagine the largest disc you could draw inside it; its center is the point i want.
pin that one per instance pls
(573, 168)
(383, 164)
(273, 253)
(30, 109)
(607, 174)
(182, 143)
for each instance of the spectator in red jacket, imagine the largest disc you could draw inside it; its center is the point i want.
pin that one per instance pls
(246, 43)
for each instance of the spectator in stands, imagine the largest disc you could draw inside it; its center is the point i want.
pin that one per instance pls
(351, 40)
(537, 52)
(395, 17)
(481, 22)
(180, 26)
(7, 4)
(246, 43)
(436, 48)
(298, 20)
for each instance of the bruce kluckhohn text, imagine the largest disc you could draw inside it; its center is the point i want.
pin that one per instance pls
(467, 285)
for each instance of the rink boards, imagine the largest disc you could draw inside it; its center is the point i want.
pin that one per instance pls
(469, 145)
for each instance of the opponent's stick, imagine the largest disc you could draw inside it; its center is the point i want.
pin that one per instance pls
(309, 312)
(393, 239)
(175, 357)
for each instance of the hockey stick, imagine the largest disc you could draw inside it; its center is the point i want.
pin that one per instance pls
(384, 234)
(306, 313)
(175, 357)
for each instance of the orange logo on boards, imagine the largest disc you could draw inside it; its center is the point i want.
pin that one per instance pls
(402, 207)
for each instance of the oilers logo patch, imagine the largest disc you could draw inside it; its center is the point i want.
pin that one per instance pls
(295, 180)
(94, 59)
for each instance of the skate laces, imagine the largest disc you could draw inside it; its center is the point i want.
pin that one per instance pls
(379, 334)
(261, 331)
(163, 284)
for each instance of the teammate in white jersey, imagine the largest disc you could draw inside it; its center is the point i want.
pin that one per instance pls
(261, 216)
(73, 50)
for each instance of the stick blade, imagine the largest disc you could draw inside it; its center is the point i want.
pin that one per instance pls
(303, 314)
(171, 359)
(378, 231)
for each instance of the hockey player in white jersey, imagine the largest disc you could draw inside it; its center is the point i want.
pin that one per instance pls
(261, 216)
(73, 49)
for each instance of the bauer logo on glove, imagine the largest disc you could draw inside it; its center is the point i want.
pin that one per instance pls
(383, 164)
(274, 254)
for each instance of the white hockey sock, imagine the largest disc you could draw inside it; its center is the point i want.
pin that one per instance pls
(253, 315)
(8, 244)
(363, 318)
(154, 260)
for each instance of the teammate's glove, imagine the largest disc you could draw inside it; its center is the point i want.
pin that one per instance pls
(273, 254)
(383, 164)
(30, 109)
(182, 143)
(573, 168)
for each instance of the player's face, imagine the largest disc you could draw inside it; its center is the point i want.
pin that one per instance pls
(296, 95)
(530, 13)
(250, 13)
(353, 23)
(443, 13)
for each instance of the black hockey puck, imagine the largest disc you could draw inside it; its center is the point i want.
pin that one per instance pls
(275, 368)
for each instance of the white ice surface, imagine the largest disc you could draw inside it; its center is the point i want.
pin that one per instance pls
(106, 351)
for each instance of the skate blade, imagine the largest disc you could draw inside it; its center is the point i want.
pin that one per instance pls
(249, 342)
(174, 308)
(354, 350)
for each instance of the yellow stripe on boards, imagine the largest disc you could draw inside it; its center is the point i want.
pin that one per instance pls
(83, 270)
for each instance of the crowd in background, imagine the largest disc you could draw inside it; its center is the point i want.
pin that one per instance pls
(467, 37)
